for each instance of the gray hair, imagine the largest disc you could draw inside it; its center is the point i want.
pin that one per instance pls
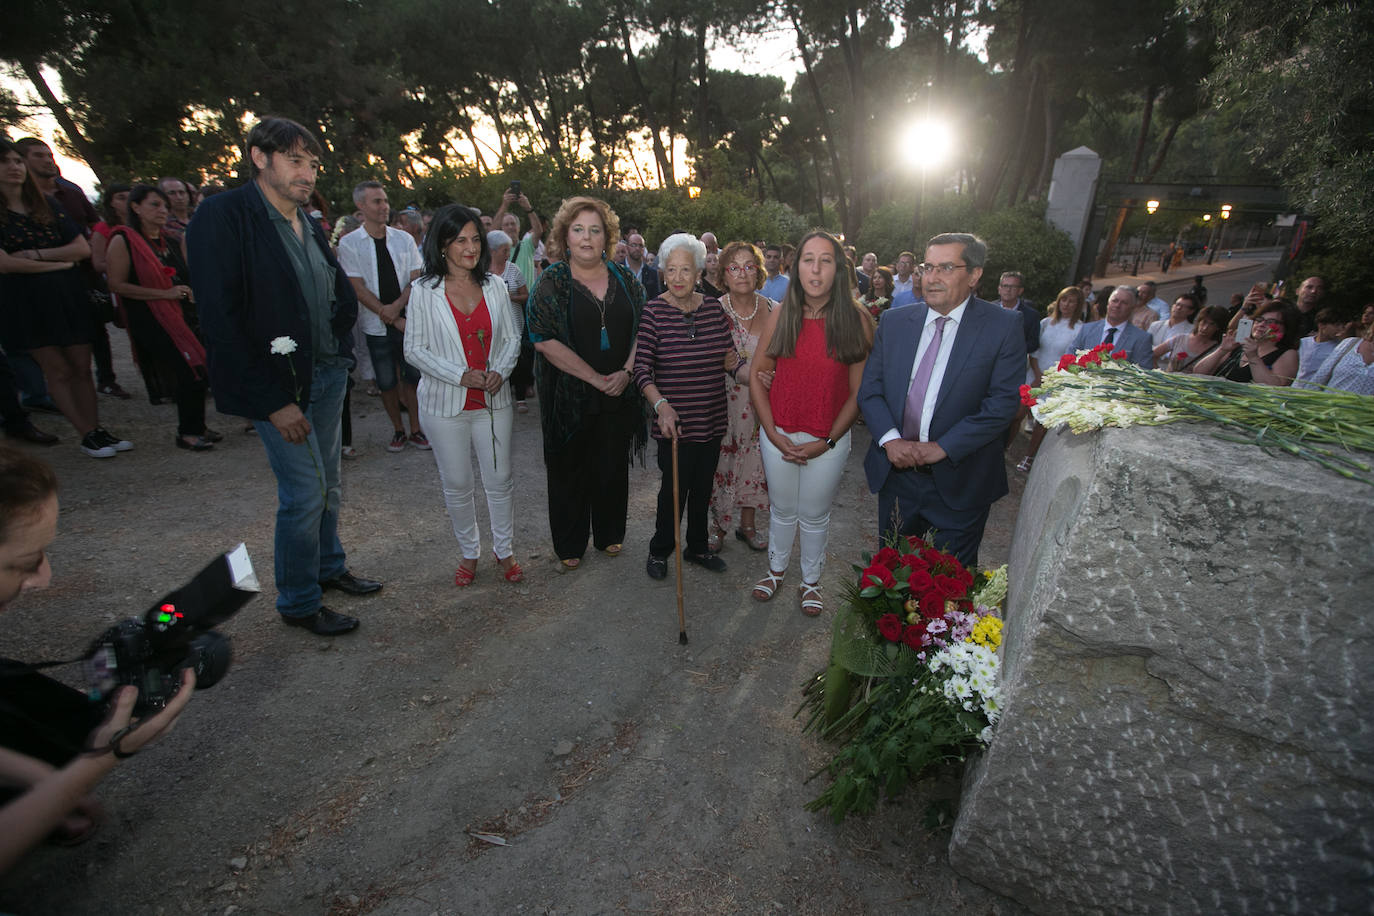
(975, 249)
(684, 241)
(362, 188)
(496, 238)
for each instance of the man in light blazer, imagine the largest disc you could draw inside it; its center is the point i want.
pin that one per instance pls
(278, 314)
(940, 386)
(1117, 330)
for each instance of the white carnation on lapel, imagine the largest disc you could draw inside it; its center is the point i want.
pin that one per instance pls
(283, 346)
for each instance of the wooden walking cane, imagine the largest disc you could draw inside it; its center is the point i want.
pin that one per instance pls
(677, 550)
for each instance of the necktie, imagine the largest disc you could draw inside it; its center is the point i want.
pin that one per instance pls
(1111, 335)
(916, 396)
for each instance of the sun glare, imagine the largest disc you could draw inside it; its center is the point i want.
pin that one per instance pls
(927, 144)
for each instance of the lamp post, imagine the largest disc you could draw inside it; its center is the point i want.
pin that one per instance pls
(1212, 250)
(1150, 207)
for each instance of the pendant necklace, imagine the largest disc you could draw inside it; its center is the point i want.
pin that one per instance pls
(601, 307)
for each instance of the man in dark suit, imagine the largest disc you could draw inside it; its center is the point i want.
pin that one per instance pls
(1116, 329)
(938, 391)
(277, 313)
(638, 265)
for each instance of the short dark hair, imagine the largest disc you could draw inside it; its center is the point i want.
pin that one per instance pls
(768, 248)
(1330, 315)
(1191, 298)
(449, 220)
(25, 484)
(137, 195)
(24, 144)
(975, 249)
(278, 135)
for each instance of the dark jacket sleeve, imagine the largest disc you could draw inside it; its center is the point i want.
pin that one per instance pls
(240, 374)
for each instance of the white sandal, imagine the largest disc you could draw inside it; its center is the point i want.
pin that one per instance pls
(768, 585)
(811, 604)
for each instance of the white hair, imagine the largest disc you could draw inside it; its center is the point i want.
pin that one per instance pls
(686, 242)
(496, 238)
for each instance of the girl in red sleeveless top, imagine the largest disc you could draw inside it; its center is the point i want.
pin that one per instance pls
(813, 348)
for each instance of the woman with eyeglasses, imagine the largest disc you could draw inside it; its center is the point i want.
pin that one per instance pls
(741, 488)
(815, 345)
(684, 341)
(1268, 356)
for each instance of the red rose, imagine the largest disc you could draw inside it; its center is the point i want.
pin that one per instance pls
(920, 581)
(911, 636)
(877, 575)
(886, 557)
(916, 542)
(1065, 361)
(912, 561)
(1118, 354)
(932, 603)
(965, 578)
(890, 626)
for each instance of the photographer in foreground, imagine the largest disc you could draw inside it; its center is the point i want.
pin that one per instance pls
(53, 746)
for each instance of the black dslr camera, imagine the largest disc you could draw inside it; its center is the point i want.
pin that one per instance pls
(176, 633)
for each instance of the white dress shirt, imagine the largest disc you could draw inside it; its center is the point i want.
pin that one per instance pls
(358, 258)
(937, 372)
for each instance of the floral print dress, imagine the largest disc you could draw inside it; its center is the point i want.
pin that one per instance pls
(739, 481)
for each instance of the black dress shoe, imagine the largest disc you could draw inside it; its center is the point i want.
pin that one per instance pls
(30, 433)
(707, 560)
(350, 584)
(323, 622)
(656, 567)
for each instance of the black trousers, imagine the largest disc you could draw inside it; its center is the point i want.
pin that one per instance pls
(589, 484)
(696, 463)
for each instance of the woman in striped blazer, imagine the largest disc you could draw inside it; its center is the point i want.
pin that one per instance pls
(460, 334)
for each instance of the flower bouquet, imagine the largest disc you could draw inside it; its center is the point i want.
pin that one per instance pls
(913, 675)
(1099, 387)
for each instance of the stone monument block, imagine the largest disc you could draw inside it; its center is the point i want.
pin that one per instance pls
(1073, 188)
(1189, 673)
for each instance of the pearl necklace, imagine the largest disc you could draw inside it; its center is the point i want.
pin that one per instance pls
(730, 306)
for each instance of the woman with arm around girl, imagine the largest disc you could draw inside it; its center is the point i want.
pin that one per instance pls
(461, 336)
(815, 344)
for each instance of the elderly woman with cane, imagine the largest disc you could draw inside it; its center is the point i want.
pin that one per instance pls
(684, 344)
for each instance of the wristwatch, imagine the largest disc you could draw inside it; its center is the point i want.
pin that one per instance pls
(830, 442)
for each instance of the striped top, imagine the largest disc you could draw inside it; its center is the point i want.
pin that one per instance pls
(434, 346)
(684, 355)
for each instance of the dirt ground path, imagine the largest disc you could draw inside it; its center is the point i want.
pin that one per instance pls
(612, 769)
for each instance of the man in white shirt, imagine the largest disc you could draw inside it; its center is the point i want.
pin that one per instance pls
(381, 261)
(905, 280)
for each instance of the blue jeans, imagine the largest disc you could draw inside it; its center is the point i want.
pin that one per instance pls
(307, 548)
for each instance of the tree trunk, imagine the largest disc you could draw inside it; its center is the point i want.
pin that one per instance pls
(858, 135)
(841, 201)
(78, 140)
(703, 96)
(1042, 179)
(546, 130)
(1105, 257)
(665, 163)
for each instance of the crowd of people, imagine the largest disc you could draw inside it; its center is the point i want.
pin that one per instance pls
(747, 364)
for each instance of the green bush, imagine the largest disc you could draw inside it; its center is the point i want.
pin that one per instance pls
(1347, 268)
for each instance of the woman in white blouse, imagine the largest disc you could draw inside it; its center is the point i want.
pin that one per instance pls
(461, 335)
(1057, 331)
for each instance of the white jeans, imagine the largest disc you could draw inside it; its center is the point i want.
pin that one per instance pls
(453, 440)
(801, 494)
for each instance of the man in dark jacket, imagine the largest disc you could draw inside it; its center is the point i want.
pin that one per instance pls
(277, 313)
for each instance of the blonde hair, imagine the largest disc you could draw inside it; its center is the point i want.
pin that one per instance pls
(1073, 292)
(557, 243)
(727, 257)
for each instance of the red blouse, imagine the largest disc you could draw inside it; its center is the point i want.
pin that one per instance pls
(475, 332)
(809, 388)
